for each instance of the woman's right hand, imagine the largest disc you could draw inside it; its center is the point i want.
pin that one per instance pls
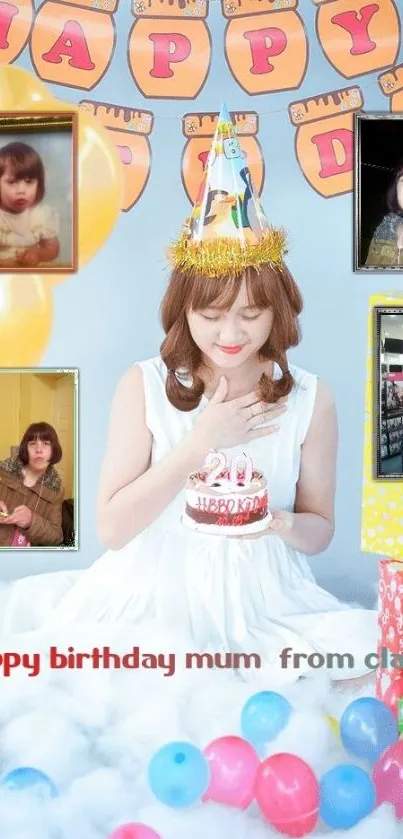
(227, 424)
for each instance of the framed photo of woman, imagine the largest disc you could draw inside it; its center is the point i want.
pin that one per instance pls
(38, 192)
(388, 407)
(378, 192)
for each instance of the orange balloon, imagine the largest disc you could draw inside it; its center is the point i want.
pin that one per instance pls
(25, 319)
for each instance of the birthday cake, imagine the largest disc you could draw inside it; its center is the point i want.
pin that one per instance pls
(224, 499)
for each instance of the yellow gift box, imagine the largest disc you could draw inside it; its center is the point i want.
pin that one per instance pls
(382, 500)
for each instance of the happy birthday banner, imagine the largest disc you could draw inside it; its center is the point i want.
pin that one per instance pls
(324, 141)
(72, 43)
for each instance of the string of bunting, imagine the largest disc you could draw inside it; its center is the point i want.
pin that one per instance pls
(273, 112)
(130, 130)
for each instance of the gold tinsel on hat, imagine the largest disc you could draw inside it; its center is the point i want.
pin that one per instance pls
(221, 257)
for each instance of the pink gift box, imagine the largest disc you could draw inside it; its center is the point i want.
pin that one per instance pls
(390, 620)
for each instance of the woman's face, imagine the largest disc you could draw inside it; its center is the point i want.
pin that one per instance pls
(17, 195)
(399, 191)
(39, 453)
(229, 338)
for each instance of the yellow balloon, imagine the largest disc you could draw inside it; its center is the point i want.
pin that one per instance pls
(100, 178)
(100, 186)
(22, 91)
(334, 725)
(25, 319)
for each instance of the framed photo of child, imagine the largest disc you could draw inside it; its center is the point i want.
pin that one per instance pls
(38, 192)
(388, 413)
(378, 192)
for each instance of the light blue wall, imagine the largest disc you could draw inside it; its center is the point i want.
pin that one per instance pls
(106, 316)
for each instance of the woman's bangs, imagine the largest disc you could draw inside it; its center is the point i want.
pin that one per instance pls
(23, 169)
(213, 292)
(38, 434)
(221, 293)
(260, 288)
(44, 438)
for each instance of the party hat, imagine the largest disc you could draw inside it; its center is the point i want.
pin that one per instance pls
(227, 231)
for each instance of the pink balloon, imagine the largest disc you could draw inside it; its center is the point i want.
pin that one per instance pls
(387, 776)
(134, 831)
(233, 765)
(287, 793)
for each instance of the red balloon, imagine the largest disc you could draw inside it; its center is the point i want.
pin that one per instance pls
(387, 777)
(134, 831)
(393, 693)
(233, 765)
(287, 793)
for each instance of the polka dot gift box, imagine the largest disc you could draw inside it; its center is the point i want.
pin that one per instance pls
(382, 531)
(389, 674)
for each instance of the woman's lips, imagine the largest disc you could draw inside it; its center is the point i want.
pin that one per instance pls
(231, 350)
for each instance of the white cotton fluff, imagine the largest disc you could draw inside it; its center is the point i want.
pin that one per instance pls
(95, 732)
(48, 742)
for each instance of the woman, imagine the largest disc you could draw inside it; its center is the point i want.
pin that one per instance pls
(31, 492)
(222, 381)
(386, 246)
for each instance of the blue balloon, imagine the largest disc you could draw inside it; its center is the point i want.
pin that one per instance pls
(178, 774)
(263, 716)
(27, 778)
(347, 795)
(367, 728)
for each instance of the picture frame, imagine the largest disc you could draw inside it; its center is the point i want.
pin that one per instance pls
(50, 395)
(39, 192)
(378, 141)
(388, 393)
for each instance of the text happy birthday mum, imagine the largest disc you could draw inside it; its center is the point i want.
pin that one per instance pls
(103, 658)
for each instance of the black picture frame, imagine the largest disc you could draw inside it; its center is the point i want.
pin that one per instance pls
(378, 144)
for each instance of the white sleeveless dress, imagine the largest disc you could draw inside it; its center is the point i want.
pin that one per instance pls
(216, 594)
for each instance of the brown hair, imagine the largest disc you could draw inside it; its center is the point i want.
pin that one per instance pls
(267, 287)
(42, 431)
(26, 163)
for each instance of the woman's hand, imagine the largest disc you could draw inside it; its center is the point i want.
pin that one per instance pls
(281, 524)
(226, 424)
(30, 257)
(21, 517)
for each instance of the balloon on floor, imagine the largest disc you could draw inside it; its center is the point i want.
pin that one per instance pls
(179, 774)
(133, 831)
(29, 779)
(367, 728)
(290, 797)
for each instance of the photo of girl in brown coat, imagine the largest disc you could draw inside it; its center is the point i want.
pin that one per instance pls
(31, 491)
